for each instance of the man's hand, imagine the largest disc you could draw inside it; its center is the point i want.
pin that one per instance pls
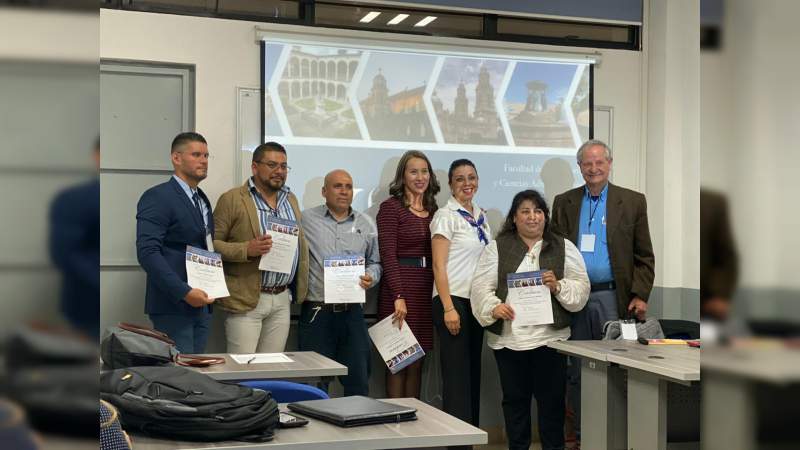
(503, 311)
(549, 279)
(259, 246)
(198, 298)
(366, 281)
(638, 307)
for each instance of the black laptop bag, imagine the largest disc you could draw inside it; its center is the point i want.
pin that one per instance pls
(183, 404)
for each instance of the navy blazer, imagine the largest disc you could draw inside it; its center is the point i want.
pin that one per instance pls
(75, 249)
(166, 222)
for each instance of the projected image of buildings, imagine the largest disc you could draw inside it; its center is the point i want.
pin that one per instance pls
(464, 101)
(313, 92)
(391, 97)
(535, 105)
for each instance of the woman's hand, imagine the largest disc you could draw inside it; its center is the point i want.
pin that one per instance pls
(452, 320)
(503, 311)
(549, 279)
(400, 312)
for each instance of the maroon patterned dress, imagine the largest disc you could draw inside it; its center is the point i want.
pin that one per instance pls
(401, 234)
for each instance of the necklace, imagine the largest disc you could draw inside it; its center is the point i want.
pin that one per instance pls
(417, 210)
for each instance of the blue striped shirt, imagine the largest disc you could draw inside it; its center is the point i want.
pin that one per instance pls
(283, 211)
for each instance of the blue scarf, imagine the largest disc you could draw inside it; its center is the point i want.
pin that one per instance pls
(477, 225)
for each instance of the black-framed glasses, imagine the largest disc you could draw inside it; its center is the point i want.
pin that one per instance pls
(273, 165)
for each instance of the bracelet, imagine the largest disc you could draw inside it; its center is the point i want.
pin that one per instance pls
(451, 309)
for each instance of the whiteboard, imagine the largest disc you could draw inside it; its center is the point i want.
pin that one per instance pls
(248, 129)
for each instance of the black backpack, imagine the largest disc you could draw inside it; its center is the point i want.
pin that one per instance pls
(52, 373)
(178, 403)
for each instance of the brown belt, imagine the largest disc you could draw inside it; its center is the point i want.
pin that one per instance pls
(274, 290)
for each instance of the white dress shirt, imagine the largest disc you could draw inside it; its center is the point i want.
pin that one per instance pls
(575, 289)
(465, 245)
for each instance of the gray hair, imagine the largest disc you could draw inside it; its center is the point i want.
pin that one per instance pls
(591, 143)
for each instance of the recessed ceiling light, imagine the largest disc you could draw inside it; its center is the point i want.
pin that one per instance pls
(397, 19)
(425, 21)
(370, 16)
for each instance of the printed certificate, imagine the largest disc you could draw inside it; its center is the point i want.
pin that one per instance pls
(204, 271)
(529, 297)
(398, 346)
(343, 277)
(284, 234)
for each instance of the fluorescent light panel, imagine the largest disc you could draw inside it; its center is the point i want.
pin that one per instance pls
(425, 21)
(370, 16)
(397, 19)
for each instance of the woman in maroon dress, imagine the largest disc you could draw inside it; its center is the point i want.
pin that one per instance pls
(404, 239)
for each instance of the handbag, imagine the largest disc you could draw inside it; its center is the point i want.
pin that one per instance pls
(649, 329)
(129, 345)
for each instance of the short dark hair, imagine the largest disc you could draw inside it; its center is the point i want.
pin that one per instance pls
(509, 227)
(455, 165)
(270, 146)
(184, 138)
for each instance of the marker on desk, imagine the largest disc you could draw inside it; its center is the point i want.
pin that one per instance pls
(251, 360)
(643, 341)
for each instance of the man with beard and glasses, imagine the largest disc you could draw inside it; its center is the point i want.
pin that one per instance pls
(169, 217)
(258, 307)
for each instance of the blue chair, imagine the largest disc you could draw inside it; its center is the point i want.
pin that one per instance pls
(286, 391)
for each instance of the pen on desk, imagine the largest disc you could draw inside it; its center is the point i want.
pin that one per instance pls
(251, 360)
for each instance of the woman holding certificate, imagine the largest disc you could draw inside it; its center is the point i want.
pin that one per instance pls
(460, 232)
(527, 284)
(404, 240)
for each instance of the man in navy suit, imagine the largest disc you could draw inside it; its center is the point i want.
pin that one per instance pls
(169, 217)
(75, 249)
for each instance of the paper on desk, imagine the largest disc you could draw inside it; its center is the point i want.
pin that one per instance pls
(261, 358)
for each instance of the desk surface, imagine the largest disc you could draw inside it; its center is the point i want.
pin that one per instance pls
(679, 362)
(433, 428)
(771, 365)
(305, 365)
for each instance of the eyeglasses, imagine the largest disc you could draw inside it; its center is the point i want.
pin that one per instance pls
(273, 165)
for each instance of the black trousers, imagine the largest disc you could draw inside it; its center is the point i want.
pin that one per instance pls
(461, 362)
(539, 373)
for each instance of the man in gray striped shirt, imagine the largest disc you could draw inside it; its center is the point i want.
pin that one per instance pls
(337, 330)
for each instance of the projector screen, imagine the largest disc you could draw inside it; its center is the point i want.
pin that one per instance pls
(519, 119)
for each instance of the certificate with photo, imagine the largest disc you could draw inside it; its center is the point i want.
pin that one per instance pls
(284, 235)
(529, 297)
(204, 272)
(343, 277)
(398, 346)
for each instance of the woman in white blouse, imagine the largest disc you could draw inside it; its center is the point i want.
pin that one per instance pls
(459, 233)
(527, 367)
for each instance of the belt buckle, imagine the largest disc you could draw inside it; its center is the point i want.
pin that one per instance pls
(339, 307)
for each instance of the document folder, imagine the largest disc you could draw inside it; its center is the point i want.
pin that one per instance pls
(354, 411)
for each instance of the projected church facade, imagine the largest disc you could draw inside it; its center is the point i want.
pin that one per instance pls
(399, 116)
(480, 127)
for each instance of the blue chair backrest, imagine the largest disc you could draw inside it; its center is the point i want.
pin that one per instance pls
(286, 391)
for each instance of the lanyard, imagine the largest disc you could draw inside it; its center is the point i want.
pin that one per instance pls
(593, 211)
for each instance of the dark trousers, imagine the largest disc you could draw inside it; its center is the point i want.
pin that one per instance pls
(461, 362)
(342, 337)
(539, 373)
(190, 333)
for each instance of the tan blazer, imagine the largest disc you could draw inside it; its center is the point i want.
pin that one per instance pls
(628, 232)
(235, 223)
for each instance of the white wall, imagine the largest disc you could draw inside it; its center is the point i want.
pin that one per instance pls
(751, 112)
